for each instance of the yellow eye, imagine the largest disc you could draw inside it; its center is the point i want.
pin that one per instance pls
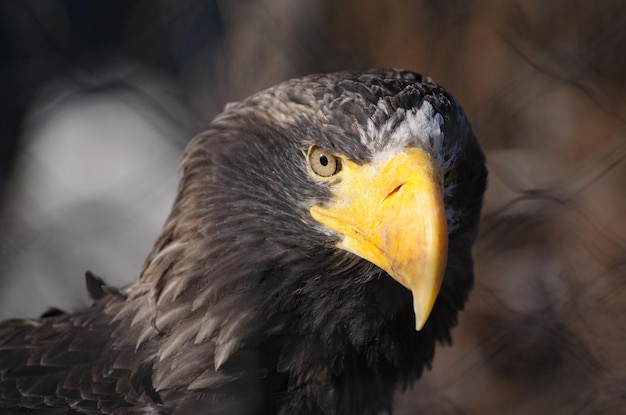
(449, 176)
(323, 163)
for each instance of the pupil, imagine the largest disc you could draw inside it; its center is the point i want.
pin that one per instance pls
(324, 160)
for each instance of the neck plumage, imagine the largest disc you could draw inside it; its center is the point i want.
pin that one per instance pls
(228, 301)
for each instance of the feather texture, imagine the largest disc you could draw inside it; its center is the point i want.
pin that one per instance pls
(244, 305)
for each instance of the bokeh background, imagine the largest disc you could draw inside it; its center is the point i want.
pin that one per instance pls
(99, 99)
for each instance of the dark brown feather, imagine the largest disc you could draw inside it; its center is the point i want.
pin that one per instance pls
(244, 306)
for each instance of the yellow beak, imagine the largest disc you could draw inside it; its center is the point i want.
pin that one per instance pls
(391, 213)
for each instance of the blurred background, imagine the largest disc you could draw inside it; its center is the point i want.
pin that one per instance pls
(99, 99)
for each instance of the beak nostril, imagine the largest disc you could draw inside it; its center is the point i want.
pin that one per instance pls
(394, 191)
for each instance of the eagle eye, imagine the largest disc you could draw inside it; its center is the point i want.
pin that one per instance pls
(323, 162)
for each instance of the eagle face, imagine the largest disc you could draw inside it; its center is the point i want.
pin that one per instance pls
(341, 210)
(318, 248)
(382, 165)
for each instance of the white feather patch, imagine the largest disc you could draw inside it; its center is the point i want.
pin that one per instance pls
(401, 129)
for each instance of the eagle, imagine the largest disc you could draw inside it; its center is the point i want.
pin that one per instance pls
(318, 248)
